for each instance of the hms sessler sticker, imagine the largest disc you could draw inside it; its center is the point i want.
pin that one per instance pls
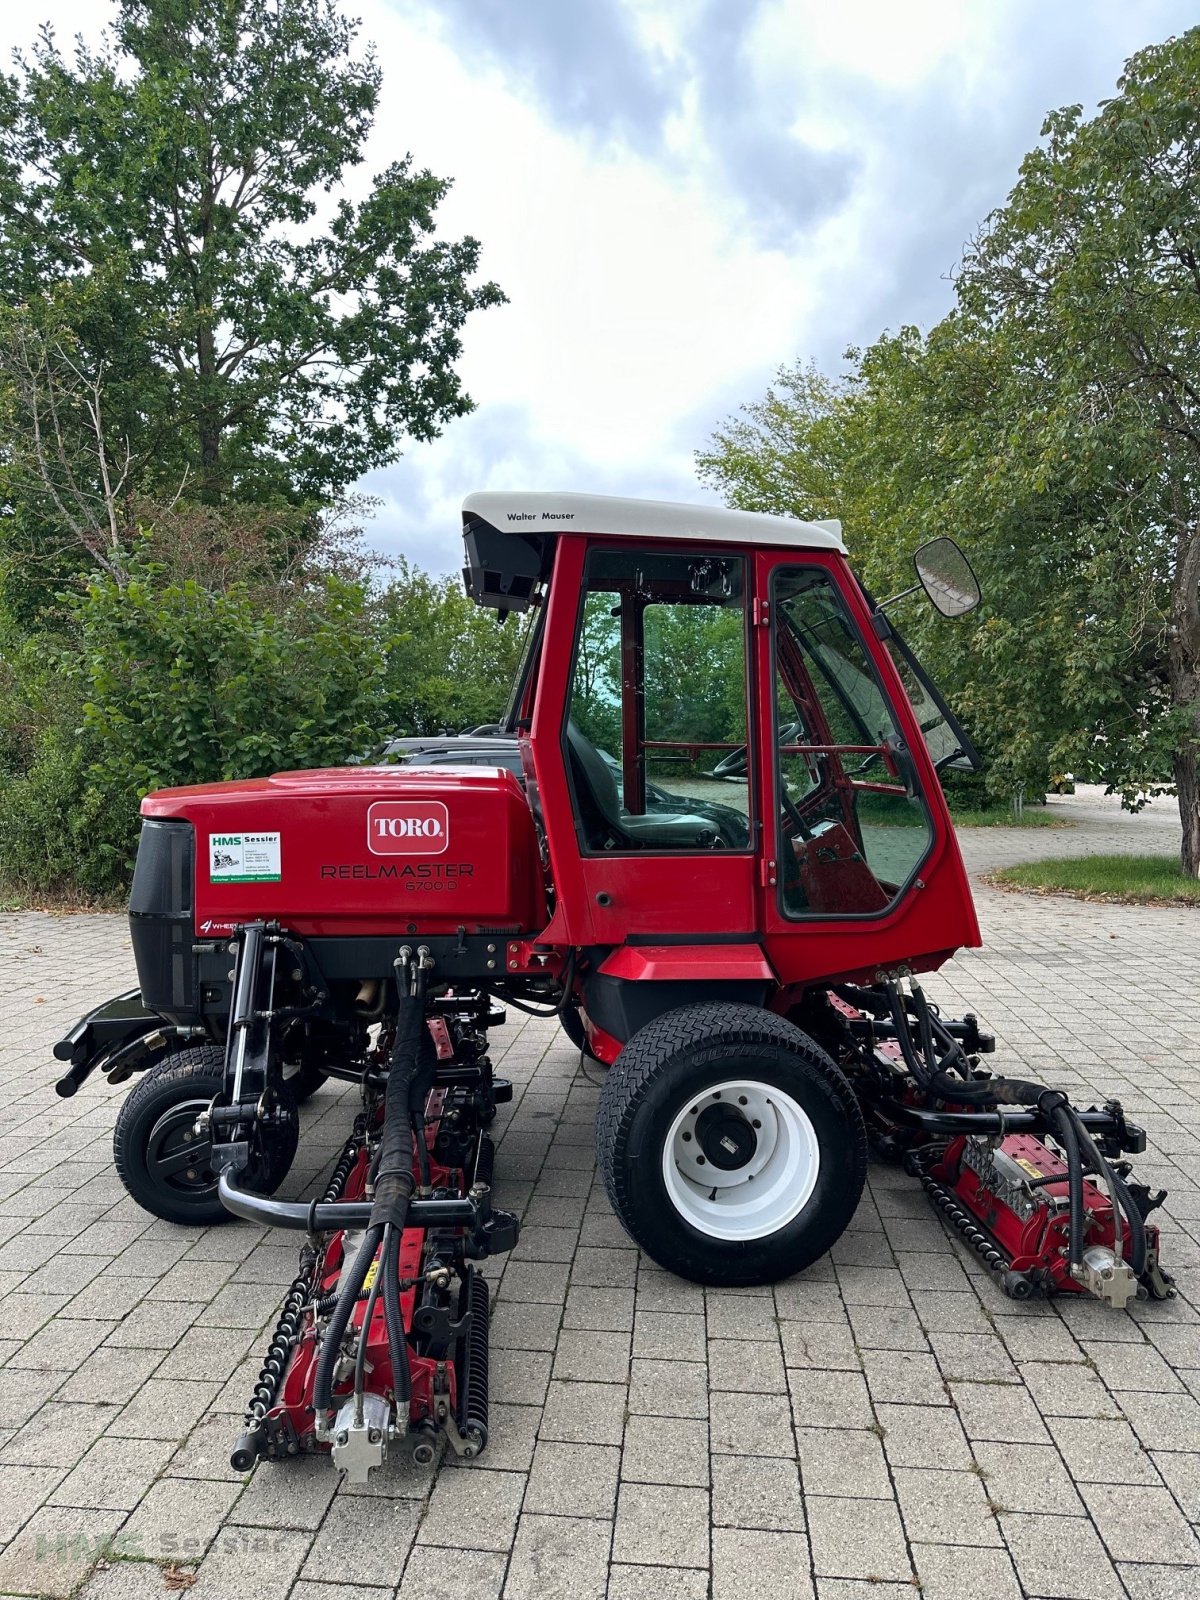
(243, 858)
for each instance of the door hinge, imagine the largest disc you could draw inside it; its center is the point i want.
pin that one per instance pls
(766, 874)
(762, 613)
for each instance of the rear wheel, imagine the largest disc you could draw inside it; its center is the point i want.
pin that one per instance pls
(160, 1159)
(731, 1146)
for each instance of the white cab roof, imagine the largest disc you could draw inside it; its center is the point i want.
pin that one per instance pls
(658, 519)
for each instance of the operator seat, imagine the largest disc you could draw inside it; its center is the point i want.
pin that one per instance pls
(608, 825)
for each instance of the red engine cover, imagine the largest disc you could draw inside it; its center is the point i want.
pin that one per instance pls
(347, 850)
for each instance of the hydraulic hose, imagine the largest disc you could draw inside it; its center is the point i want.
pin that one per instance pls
(397, 1343)
(1068, 1126)
(395, 1180)
(360, 1359)
(1122, 1202)
(999, 1091)
(1060, 1119)
(1052, 1103)
(1138, 1246)
(934, 1079)
(340, 1319)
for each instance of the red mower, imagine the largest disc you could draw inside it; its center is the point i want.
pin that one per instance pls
(709, 838)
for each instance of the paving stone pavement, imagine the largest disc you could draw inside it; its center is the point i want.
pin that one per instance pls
(884, 1419)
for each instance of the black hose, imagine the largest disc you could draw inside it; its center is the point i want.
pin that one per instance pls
(1063, 1123)
(933, 1078)
(395, 1180)
(1133, 1217)
(360, 1359)
(422, 1148)
(1138, 1245)
(1069, 1129)
(339, 1321)
(397, 1343)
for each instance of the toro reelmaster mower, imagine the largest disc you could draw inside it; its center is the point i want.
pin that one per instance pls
(709, 837)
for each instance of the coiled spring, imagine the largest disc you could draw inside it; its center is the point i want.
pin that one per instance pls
(291, 1317)
(966, 1225)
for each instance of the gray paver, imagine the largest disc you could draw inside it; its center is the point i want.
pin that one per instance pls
(362, 1541)
(843, 1463)
(662, 1527)
(759, 1566)
(666, 1450)
(559, 1558)
(433, 1574)
(573, 1480)
(1061, 1556)
(857, 1539)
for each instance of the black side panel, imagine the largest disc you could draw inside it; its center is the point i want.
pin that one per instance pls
(621, 1006)
(160, 918)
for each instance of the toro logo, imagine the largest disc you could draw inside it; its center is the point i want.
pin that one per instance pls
(408, 828)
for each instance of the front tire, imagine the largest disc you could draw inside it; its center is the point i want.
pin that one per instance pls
(732, 1148)
(164, 1166)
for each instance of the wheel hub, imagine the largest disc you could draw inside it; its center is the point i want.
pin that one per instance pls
(725, 1136)
(175, 1155)
(740, 1160)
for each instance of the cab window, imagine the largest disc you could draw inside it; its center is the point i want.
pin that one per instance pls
(854, 825)
(655, 740)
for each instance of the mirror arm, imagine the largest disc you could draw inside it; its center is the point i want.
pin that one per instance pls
(914, 588)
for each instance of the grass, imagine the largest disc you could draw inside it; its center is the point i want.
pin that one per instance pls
(1124, 880)
(882, 811)
(16, 896)
(1002, 817)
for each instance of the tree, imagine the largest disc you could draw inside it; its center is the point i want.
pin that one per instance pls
(451, 664)
(171, 218)
(1094, 263)
(1051, 422)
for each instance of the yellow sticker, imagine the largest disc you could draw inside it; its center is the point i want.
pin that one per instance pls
(370, 1277)
(1026, 1166)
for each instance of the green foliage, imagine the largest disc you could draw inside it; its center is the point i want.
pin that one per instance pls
(171, 228)
(1052, 424)
(55, 831)
(169, 683)
(450, 663)
(188, 685)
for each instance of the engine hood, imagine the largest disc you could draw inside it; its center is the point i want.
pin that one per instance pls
(362, 849)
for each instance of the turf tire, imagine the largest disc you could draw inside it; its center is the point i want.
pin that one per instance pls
(665, 1064)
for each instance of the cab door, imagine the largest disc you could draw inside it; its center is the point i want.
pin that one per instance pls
(855, 832)
(641, 734)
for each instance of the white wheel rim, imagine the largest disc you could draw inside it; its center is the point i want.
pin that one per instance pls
(766, 1191)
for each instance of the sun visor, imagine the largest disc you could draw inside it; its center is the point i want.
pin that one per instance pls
(503, 569)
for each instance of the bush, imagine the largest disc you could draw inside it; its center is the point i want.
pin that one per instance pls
(170, 682)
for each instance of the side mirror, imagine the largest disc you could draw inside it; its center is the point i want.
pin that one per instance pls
(947, 577)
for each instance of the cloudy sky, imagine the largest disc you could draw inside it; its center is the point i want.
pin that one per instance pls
(680, 195)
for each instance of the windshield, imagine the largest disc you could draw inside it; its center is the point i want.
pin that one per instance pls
(526, 670)
(944, 736)
(831, 645)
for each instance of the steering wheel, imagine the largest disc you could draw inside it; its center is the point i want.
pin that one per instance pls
(734, 764)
